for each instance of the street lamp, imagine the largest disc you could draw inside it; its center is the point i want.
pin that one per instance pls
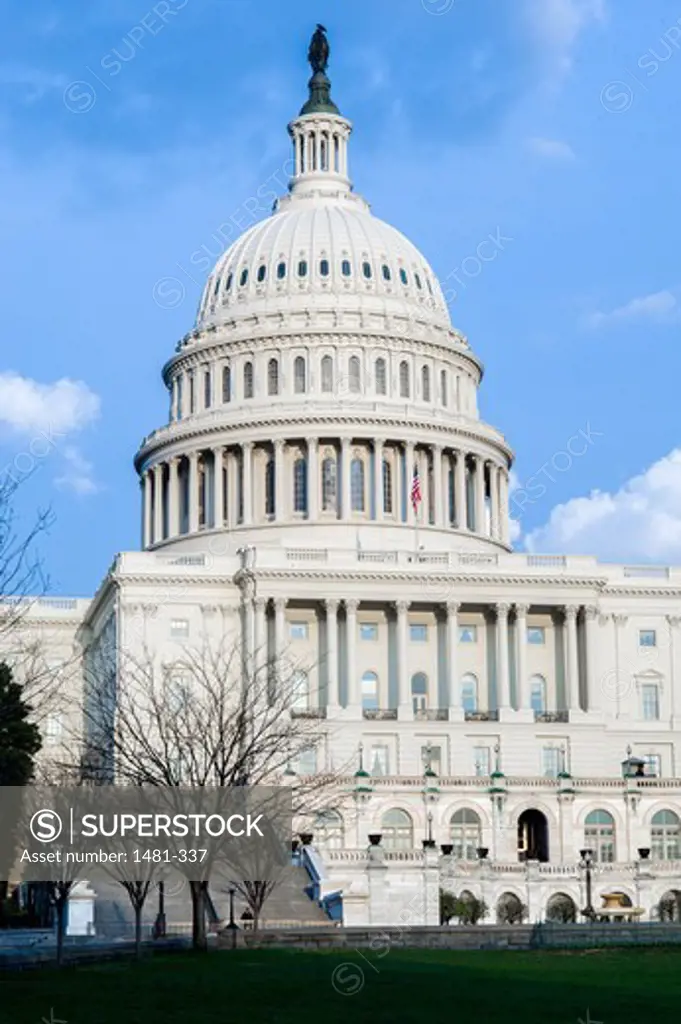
(232, 927)
(160, 922)
(586, 863)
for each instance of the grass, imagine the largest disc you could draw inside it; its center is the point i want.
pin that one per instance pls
(278, 987)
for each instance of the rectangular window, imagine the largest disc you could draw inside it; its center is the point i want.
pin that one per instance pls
(468, 634)
(179, 629)
(647, 638)
(536, 635)
(550, 762)
(378, 761)
(192, 393)
(482, 761)
(298, 630)
(432, 757)
(418, 632)
(207, 390)
(368, 631)
(652, 767)
(307, 761)
(650, 698)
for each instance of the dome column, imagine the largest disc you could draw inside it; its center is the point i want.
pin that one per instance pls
(503, 507)
(346, 503)
(173, 498)
(158, 503)
(494, 474)
(193, 492)
(460, 496)
(313, 478)
(479, 484)
(409, 474)
(279, 481)
(379, 443)
(437, 485)
(247, 481)
(146, 507)
(218, 487)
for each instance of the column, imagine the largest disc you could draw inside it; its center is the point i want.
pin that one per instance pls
(503, 686)
(345, 478)
(460, 496)
(454, 700)
(312, 478)
(146, 501)
(279, 631)
(409, 464)
(279, 498)
(332, 696)
(479, 494)
(503, 507)
(247, 480)
(379, 443)
(174, 498)
(193, 492)
(437, 485)
(353, 687)
(494, 473)
(590, 641)
(232, 489)
(403, 702)
(260, 643)
(158, 503)
(572, 674)
(522, 682)
(218, 487)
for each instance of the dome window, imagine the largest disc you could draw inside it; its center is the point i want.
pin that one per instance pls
(403, 276)
(386, 272)
(380, 376)
(262, 271)
(244, 277)
(346, 269)
(228, 283)
(248, 379)
(299, 376)
(327, 374)
(324, 268)
(430, 287)
(281, 271)
(302, 268)
(366, 269)
(217, 286)
(418, 281)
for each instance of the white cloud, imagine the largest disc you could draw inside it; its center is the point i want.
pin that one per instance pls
(78, 475)
(639, 523)
(660, 307)
(552, 149)
(26, 406)
(556, 26)
(34, 83)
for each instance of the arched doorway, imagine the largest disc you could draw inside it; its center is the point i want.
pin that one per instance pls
(669, 907)
(561, 909)
(533, 836)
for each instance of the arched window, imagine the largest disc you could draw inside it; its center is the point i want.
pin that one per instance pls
(207, 389)
(386, 272)
(404, 379)
(354, 375)
(302, 268)
(180, 394)
(599, 836)
(357, 485)
(216, 289)
(387, 488)
(273, 377)
(269, 486)
(248, 379)
(425, 383)
(346, 268)
(226, 384)
(329, 484)
(329, 831)
(324, 268)
(379, 371)
(403, 276)
(244, 277)
(370, 691)
(419, 691)
(300, 690)
(664, 836)
(300, 485)
(397, 829)
(327, 374)
(465, 834)
(281, 270)
(418, 281)
(192, 393)
(469, 693)
(228, 282)
(538, 694)
(366, 270)
(443, 388)
(299, 376)
(262, 271)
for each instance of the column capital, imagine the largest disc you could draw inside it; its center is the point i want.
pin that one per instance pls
(437, 446)
(247, 446)
(331, 605)
(620, 620)
(194, 456)
(345, 443)
(590, 612)
(402, 607)
(351, 605)
(502, 610)
(453, 607)
(521, 610)
(279, 444)
(571, 611)
(260, 603)
(674, 621)
(280, 604)
(379, 442)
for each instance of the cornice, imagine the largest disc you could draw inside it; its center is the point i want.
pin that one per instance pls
(613, 590)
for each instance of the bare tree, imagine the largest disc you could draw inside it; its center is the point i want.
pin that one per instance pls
(212, 719)
(22, 576)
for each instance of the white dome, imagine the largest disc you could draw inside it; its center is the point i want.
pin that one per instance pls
(321, 251)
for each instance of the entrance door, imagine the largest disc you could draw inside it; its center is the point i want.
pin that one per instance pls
(533, 836)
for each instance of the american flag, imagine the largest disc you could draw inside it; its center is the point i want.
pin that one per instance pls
(416, 496)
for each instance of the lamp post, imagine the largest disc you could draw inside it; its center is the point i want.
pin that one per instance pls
(586, 863)
(160, 922)
(232, 927)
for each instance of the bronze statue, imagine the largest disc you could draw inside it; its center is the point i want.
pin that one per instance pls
(318, 53)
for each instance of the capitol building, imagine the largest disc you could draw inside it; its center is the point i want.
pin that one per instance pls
(490, 714)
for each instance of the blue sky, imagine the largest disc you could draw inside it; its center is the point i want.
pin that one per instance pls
(129, 135)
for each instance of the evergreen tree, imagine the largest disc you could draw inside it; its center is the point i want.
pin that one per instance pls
(19, 738)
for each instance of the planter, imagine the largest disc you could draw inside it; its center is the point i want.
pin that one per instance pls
(446, 849)
(306, 838)
(375, 838)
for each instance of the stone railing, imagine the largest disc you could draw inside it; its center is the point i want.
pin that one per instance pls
(481, 716)
(308, 712)
(380, 714)
(551, 716)
(431, 715)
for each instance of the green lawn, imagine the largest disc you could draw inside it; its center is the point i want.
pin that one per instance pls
(615, 987)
